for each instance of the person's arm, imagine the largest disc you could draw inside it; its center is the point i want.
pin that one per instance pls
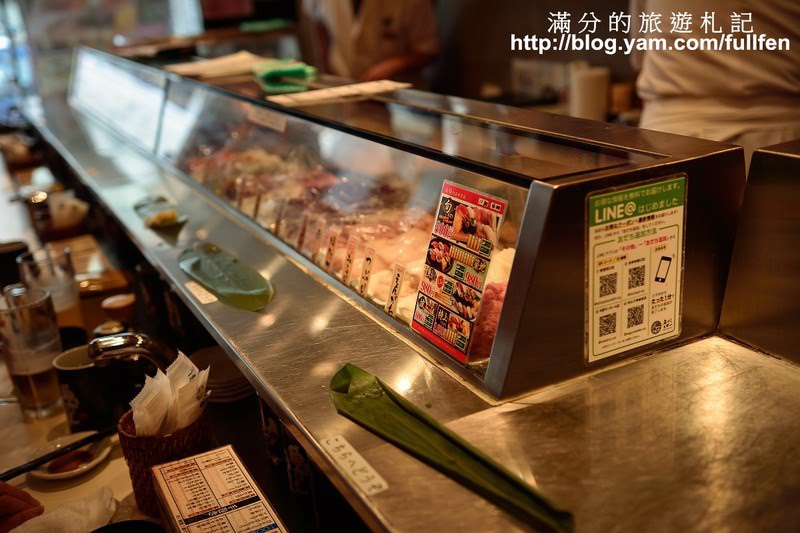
(313, 15)
(389, 68)
(422, 37)
(323, 42)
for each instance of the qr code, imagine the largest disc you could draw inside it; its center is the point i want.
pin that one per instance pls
(635, 316)
(608, 324)
(608, 284)
(636, 277)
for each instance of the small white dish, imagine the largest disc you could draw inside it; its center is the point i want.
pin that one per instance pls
(230, 398)
(99, 450)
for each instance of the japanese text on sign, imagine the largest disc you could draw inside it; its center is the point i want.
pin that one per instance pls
(459, 253)
(634, 262)
(354, 465)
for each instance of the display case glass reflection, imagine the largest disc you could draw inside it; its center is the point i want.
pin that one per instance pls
(340, 200)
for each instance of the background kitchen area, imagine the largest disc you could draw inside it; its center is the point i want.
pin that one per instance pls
(316, 265)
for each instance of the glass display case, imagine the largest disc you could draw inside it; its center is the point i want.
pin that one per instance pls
(339, 199)
(123, 96)
(471, 229)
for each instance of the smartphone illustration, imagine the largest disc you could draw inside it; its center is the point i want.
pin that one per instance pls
(663, 269)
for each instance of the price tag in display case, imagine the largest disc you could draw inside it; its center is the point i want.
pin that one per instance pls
(349, 257)
(238, 187)
(333, 236)
(301, 236)
(256, 205)
(267, 118)
(366, 270)
(316, 241)
(459, 254)
(394, 293)
(279, 211)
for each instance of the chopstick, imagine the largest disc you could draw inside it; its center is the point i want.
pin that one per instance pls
(46, 458)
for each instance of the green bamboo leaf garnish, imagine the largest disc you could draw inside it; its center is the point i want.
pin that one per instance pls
(226, 276)
(363, 398)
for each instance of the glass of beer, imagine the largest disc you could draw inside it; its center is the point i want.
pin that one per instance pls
(30, 341)
(53, 270)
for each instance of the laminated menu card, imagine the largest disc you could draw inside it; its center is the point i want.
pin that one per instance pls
(460, 250)
(212, 491)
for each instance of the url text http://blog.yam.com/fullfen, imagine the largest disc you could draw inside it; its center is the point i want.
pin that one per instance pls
(678, 31)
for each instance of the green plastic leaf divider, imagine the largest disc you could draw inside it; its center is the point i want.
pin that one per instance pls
(365, 399)
(226, 276)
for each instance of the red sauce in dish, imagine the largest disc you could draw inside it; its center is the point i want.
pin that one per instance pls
(69, 461)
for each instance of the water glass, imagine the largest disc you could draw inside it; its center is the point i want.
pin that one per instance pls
(53, 270)
(30, 341)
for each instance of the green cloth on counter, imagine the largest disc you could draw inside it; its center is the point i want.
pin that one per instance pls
(226, 276)
(366, 400)
(270, 75)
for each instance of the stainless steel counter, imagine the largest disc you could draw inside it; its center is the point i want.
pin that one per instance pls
(698, 438)
(703, 436)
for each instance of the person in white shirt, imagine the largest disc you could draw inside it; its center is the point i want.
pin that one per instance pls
(374, 39)
(749, 98)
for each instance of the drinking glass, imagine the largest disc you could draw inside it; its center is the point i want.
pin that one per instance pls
(30, 341)
(53, 270)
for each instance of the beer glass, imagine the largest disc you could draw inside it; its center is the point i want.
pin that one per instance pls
(30, 341)
(53, 270)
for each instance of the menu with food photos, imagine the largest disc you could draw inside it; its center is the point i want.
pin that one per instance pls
(459, 253)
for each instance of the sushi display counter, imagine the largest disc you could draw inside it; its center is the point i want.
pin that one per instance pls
(450, 213)
(549, 288)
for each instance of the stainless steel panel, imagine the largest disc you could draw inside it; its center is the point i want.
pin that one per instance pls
(534, 222)
(546, 342)
(699, 438)
(762, 302)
